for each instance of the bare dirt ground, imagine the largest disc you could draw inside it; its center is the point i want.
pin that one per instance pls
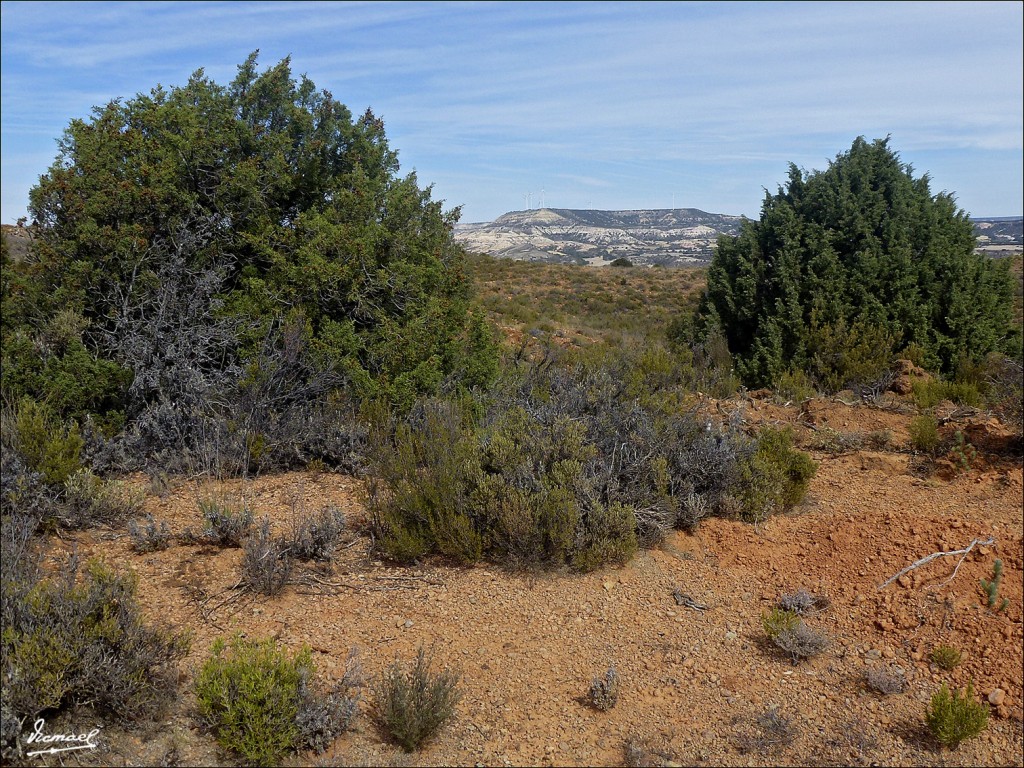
(694, 683)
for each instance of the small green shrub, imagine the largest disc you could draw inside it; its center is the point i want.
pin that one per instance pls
(48, 445)
(963, 452)
(775, 477)
(794, 386)
(928, 393)
(924, 433)
(604, 691)
(249, 694)
(945, 657)
(777, 620)
(262, 703)
(953, 717)
(413, 704)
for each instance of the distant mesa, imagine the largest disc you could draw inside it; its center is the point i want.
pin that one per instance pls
(670, 237)
(676, 237)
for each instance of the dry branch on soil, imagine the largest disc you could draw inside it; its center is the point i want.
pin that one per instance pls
(925, 560)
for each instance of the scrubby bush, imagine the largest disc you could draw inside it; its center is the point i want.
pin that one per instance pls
(569, 465)
(885, 681)
(604, 690)
(413, 703)
(770, 730)
(800, 641)
(260, 702)
(77, 638)
(924, 433)
(775, 477)
(787, 631)
(945, 657)
(248, 694)
(224, 525)
(794, 385)
(151, 537)
(952, 718)
(316, 537)
(803, 602)
(1006, 391)
(89, 500)
(266, 562)
(324, 715)
(930, 392)
(48, 445)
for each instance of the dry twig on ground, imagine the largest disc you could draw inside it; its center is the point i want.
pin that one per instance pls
(925, 560)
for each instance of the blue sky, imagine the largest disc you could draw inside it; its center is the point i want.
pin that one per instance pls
(601, 105)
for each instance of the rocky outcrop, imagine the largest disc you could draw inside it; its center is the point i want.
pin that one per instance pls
(670, 237)
(673, 237)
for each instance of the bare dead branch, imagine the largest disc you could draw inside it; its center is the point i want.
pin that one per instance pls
(925, 560)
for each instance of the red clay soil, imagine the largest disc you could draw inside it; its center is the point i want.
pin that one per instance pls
(695, 682)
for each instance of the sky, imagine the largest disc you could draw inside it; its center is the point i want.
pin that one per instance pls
(507, 106)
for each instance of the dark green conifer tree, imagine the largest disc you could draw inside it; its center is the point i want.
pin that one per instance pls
(850, 265)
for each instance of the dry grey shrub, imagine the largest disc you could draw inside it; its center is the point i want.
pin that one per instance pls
(322, 717)
(604, 691)
(803, 602)
(640, 753)
(800, 642)
(412, 703)
(225, 525)
(694, 509)
(885, 681)
(267, 563)
(770, 730)
(151, 538)
(316, 537)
